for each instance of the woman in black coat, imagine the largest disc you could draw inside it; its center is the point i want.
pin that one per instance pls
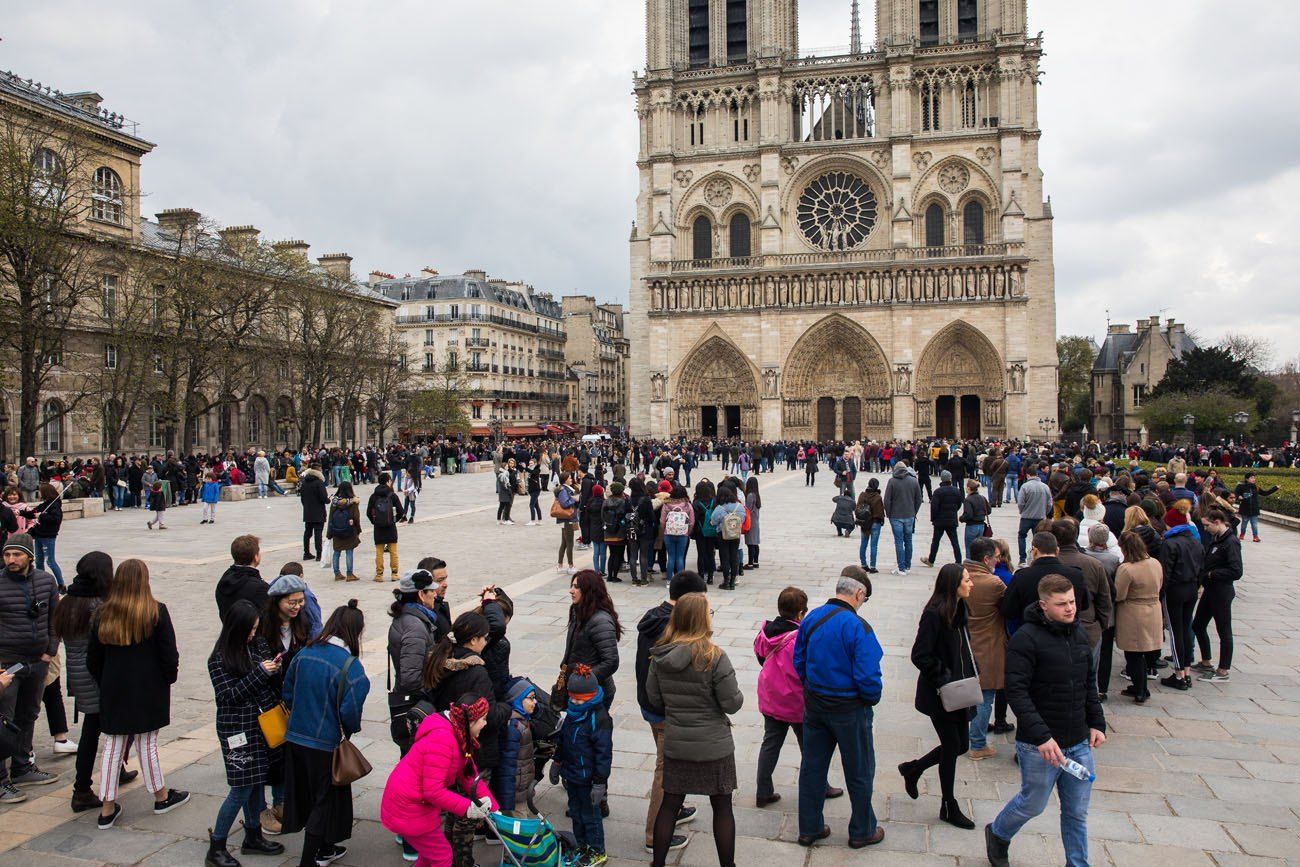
(594, 630)
(244, 684)
(133, 658)
(456, 668)
(942, 654)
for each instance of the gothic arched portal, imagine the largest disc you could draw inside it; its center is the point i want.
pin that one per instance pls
(959, 385)
(836, 384)
(716, 393)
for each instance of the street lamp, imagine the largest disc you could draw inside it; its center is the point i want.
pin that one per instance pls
(1047, 425)
(1241, 417)
(1189, 421)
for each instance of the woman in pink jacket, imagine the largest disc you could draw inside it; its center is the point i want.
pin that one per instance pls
(780, 692)
(420, 789)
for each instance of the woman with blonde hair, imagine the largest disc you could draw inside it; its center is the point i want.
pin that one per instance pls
(133, 658)
(1136, 520)
(1139, 621)
(692, 684)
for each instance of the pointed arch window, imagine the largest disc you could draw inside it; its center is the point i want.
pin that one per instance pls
(698, 24)
(968, 106)
(934, 218)
(930, 104)
(741, 244)
(702, 238)
(972, 222)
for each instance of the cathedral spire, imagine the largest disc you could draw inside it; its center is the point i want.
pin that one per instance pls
(855, 31)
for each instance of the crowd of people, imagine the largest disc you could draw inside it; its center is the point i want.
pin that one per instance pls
(1110, 556)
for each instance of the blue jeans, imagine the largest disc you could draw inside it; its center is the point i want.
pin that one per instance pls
(346, 555)
(979, 726)
(599, 554)
(973, 532)
(1037, 779)
(119, 496)
(397, 478)
(45, 551)
(251, 799)
(675, 546)
(588, 828)
(902, 529)
(1027, 526)
(872, 536)
(1253, 522)
(851, 732)
(1012, 489)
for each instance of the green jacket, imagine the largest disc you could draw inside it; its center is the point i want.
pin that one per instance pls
(695, 704)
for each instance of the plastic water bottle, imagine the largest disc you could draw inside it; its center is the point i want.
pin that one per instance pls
(1078, 771)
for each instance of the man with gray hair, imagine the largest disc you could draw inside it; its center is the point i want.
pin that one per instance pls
(29, 480)
(837, 656)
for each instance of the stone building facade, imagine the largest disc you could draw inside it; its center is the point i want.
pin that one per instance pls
(596, 343)
(506, 338)
(1126, 370)
(846, 246)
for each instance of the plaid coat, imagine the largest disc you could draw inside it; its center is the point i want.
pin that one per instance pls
(239, 701)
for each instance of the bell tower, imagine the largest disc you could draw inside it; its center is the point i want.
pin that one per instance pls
(703, 34)
(944, 22)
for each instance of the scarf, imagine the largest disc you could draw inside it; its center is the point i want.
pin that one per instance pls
(579, 710)
(461, 716)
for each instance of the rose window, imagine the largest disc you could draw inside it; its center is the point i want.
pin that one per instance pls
(837, 211)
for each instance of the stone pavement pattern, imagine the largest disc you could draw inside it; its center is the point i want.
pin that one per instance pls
(1209, 777)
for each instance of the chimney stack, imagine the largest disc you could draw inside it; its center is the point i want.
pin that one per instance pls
(292, 248)
(428, 271)
(240, 238)
(86, 100)
(1118, 328)
(338, 265)
(377, 277)
(178, 221)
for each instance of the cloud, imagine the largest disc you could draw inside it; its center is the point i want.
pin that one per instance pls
(501, 134)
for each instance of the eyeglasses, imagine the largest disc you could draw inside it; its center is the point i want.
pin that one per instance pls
(295, 603)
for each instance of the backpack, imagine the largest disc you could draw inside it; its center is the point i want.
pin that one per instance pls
(863, 516)
(706, 526)
(732, 523)
(383, 512)
(676, 524)
(339, 527)
(613, 519)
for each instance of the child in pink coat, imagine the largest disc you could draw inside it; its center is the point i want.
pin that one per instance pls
(780, 692)
(420, 789)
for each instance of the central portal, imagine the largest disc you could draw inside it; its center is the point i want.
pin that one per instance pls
(733, 420)
(709, 421)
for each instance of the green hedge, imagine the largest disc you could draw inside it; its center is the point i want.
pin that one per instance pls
(1285, 502)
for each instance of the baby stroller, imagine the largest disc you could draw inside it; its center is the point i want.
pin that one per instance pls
(533, 842)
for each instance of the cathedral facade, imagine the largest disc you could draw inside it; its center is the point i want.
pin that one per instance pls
(846, 246)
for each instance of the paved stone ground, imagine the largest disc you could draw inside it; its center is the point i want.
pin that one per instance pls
(1210, 777)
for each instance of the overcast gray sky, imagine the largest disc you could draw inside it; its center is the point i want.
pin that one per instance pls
(500, 134)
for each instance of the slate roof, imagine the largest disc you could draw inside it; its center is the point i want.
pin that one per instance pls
(1119, 349)
(458, 287)
(57, 102)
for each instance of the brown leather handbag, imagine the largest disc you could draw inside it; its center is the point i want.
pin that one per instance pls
(348, 764)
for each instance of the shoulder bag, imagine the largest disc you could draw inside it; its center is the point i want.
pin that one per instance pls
(274, 723)
(966, 692)
(348, 764)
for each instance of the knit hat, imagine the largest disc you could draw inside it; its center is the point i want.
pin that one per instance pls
(945, 476)
(1173, 518)
(597, 490)
(1096, 513)
(462, 715)
(519, 690)
(617, 489)
(92, 566)
(420, 579)
(287, 585)
(21, 542)
(665, 487)
(581, 683)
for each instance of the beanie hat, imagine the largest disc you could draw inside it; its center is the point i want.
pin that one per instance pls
(597, 490)
(581, 683)
(21, 542)
(462, 713)
(287, 585)
(420, 579)
(616, 489)
(1174, 518)
(1094, 513)
(519, 690)
(86, 583)
(945, 476)
(665, 487)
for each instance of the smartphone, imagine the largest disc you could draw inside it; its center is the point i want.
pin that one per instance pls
(15, 669)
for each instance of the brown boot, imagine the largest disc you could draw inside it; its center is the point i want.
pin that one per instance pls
(395, 577)
(379, 577)
(352, 577)
(338, 576)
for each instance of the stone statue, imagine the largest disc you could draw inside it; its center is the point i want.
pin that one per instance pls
(1017, 372)
(902, 379)
(657, 383)
(770, 376)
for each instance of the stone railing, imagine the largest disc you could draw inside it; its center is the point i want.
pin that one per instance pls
(847, 257)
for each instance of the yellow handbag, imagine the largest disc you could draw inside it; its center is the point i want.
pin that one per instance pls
(274, 723)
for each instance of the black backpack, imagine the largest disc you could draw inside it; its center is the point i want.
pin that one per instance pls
(340, 526)
(383, 511)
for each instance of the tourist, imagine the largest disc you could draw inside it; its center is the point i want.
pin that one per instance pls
(534, 487)
(1023, 590)
(676, 518)
(780, 692)
(753, 506)
(869, 515)
(565, 512)
(1035, 503)
(838, 660)
(241, 579)
(315, 498)
(902, 504)
(244, 686)
(157, 505)
(325, 690)
(431, 780)
(703, 533)
(996, 467)
(1219, 574)
(47, 519)
(945, 505)
(515, 779)
(411, 637)
(498, 609)
(1051, 685)
(692, 680)
(809, 460)
(29, 598)
(649, 630)
(1099, 613)
(594, 630)
(942, 655)
(843, 516)
(583, 759)
(133, 658)
(344, 531)
(728, 519)
(1248, 505)
(615, 511)
(1139, 624)
(974, 514)
(507, 481)
(29, 480)
(381, 512)
(1182, 557)
(211, 496)
(988, 638)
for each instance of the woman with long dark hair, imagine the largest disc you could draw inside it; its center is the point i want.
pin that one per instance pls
(942, 654)
(753, 505)
(243, 683)
(594, 630)
(725, 507)
(325, 690)
(705, 536)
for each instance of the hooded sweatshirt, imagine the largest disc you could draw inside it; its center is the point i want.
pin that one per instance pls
(780, 692)
(240, 582)
(648, 631)
(903, 494)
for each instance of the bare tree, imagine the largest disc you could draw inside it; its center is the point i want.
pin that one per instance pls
(126, 377)
(439, 407)
(387, 379)
(1257, 352)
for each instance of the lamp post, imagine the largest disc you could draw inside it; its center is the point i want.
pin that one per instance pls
(1241, 417)
(1047, 425)
(1189, 421)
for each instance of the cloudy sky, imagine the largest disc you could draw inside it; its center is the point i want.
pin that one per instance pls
(500, 134)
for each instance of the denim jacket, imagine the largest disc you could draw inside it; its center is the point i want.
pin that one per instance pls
(310, 690)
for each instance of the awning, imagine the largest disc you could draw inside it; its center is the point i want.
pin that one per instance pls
(480, 432)
(523, 431)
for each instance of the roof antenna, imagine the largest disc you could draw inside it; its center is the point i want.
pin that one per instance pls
(1108, 320)
(855, 31)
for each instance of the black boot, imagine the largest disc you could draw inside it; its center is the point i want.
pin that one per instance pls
(910, 779)
(218, 856)
(997, 849)
(256, 844)
(950, 812)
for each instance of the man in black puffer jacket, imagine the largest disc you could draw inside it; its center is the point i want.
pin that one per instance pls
(1051, 685)
(945, 503)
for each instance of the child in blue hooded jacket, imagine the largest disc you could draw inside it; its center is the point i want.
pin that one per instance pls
(583, 759)
(515, 776)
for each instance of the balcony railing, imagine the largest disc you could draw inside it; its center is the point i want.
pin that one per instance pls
(434, 318)
(477, 341)
(847, 257)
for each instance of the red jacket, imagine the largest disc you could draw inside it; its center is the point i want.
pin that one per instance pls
(420, 789)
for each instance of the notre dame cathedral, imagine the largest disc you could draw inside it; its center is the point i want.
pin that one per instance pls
(845, 246)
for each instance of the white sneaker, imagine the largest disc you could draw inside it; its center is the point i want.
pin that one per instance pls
(508, 523)
(902, 572)
(894, 571)
(63, 748)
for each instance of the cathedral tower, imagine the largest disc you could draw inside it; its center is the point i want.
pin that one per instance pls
(846, 246)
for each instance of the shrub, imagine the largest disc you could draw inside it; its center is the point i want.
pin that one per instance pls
(1285, 502)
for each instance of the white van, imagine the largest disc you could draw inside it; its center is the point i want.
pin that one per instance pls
(595, 438)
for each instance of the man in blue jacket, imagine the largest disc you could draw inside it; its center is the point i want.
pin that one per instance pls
(837, 656)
